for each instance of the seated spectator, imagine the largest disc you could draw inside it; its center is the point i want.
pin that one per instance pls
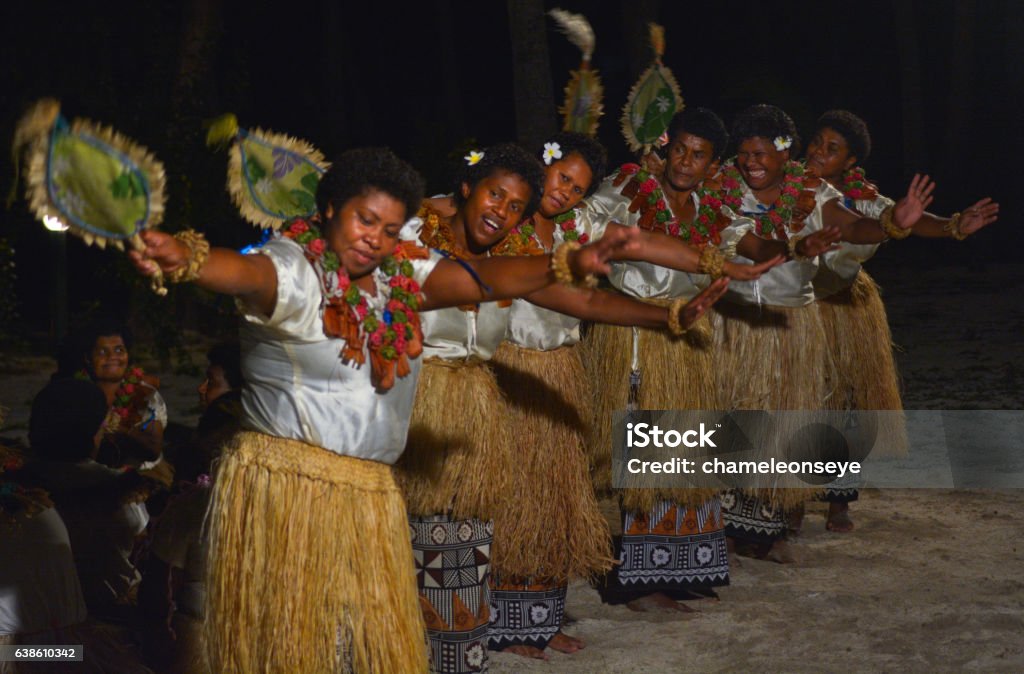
(137, 414)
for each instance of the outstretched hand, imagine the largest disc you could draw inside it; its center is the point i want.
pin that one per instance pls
(162, 253)
(617, 242)
(910, 208)
(980, 214)
(820, 242)
(750, 272)
(702, 301)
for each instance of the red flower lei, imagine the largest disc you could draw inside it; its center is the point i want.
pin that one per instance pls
(392, 335)
(855, 186)
(773, 223)
(126, 410)
(570, 232)
(648, 197)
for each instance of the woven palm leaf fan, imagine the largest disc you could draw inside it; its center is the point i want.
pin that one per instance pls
(584, 94)
(272, 177)
(99, 184)
(652, 102)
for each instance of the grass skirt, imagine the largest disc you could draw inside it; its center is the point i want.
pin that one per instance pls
(459, 449)
(309, 556)
(687, 384)
(866, 377)
(773, 358)
(550, 525)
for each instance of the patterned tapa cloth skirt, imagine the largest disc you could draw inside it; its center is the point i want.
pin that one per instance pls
(309, 566)
(525, 612)
(673, 548)
(452, 572)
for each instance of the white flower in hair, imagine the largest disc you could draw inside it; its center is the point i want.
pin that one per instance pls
(473, 157)
(782, 142)
(552, 151)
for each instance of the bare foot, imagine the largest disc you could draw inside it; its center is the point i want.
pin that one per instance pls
(563, 643)
(781, 553)
(658, 602)
(839, 518)
(526, 651)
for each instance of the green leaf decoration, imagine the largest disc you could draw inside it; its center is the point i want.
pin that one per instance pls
(311, 181)
(651, 104)
(304, 201)
(255, 171)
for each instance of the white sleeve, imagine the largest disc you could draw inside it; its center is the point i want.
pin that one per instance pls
(298, 289)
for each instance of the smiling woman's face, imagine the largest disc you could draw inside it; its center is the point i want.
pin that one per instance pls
(109, 358)
(492, 208)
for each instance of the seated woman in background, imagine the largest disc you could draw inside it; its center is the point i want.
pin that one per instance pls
(136, 412)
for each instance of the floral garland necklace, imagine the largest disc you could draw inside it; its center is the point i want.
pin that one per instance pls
(566, 223)
(125, 411)
(782, 213)
(856, 187)
(649, 200)
(392, 334)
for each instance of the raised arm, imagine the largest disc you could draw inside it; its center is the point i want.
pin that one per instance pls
(251, 278)
(973, 218)
(905, 214)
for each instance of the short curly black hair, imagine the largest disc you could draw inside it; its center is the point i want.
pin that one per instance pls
(510, 158)
(850, 127)
(702, 123)
(765, 121)
(592, 152)
(359, 171)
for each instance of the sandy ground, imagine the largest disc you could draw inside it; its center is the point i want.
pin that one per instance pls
(931, 580)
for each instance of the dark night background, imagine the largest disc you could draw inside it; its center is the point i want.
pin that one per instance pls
(937, 81)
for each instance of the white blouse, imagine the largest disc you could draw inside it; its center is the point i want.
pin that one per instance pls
(789, 284)
(840, 267)
(540, 329)
(296, 385)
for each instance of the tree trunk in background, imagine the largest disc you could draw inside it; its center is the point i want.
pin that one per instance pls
(536, 117)
(636, 15)
(911, 92)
